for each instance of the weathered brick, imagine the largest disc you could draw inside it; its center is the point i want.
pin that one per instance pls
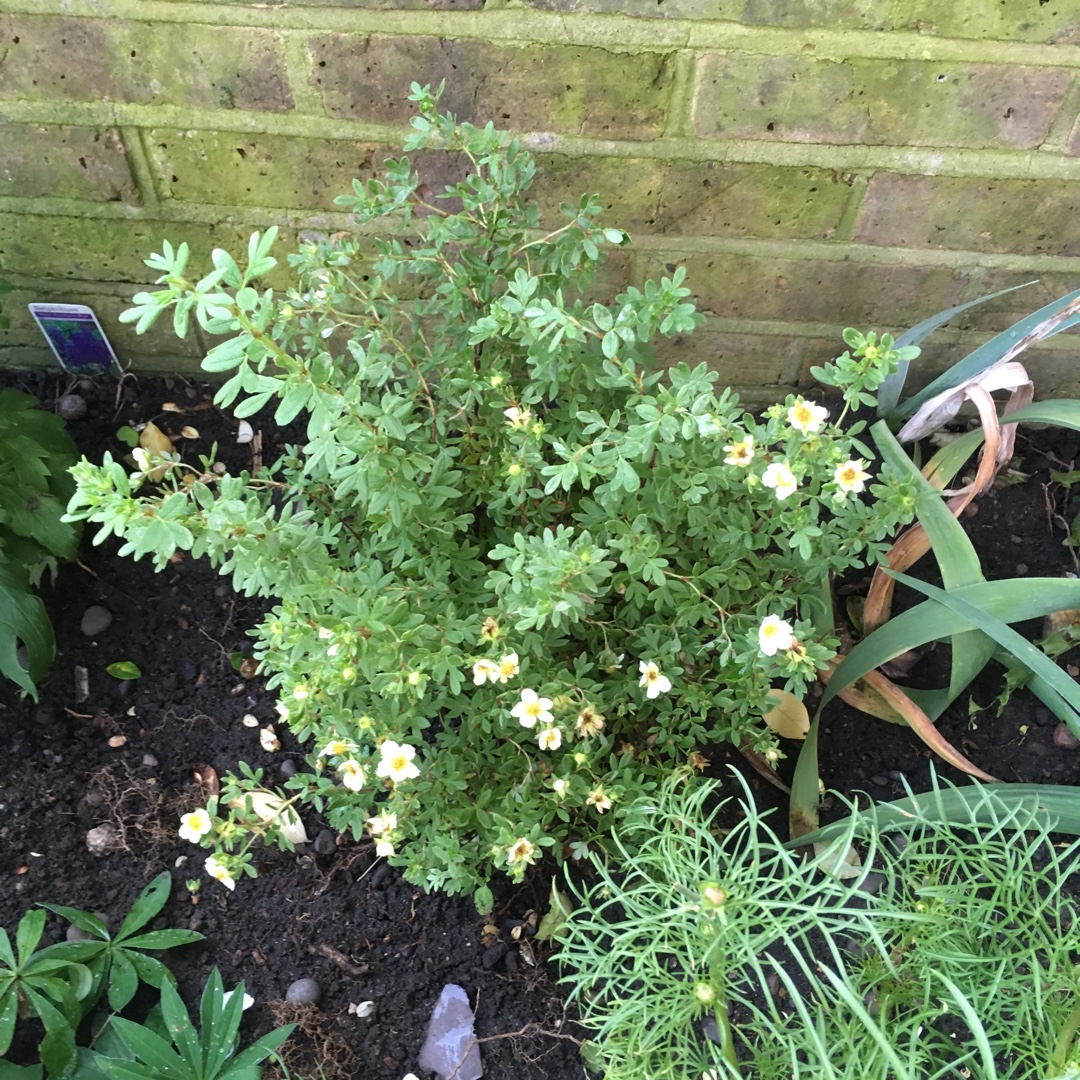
(1006, 20)
(740, 359)
(996, 315)
(64, 162)
(1073, 149)
(579, 90)
(205, 67)
(804, 290)
(107, 306)
(649, 9)
(1031, 217)
(891, 102)
(699, 198)
(107, 249)
(232, 168)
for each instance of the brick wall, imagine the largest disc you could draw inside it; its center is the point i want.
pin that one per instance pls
(814, 163)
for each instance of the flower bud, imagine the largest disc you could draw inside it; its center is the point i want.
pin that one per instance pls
(704, 994)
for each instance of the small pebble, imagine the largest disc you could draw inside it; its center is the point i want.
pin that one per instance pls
(287, 770)
(1043, 717)
(150, 761)
(72, 407)
(304, 992)
(879, 780)
(95, 620)
(493, 954)
(897, 775)
(325, 843)
(1065, 739)
(1021, 568)
(872, 883)
(1016, 539)
(510, 963)
(380, 874)
(104, 839)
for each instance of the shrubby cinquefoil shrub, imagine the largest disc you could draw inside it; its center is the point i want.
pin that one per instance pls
(520, 575)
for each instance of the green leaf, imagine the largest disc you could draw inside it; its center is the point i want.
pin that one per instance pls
(889, 392)
(153, 1050)
(128, 435)
(82, 919)
(124, 669)
(1035, 660)
(23, 618)
(149, 902)
(986, 355)
(28, 934)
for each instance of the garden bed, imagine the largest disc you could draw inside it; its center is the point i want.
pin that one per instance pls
(124, 757)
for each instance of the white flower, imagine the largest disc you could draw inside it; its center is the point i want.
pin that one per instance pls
(517, 418)
(779, 476)
(560, 787)
(589, 722)
(531, 709)
(384, 849)
(268, 738)
(141, 459)
(300, 692)
(549, 738)
(337, 748)
(508, 667)
(851, 476)
(195, 825)
(397, 762)
(325, 633)
(741, 452)
(219, 873)
(598, 799)
(655, 684)
(352, 774)
(485, 671)
(520, 851)
(775, 635)
(806, 417)
(383, 823)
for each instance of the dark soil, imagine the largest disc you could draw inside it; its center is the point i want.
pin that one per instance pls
(331, 911)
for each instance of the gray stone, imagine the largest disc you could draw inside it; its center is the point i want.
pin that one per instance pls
(104, 839)
(325, 843)
(304, 992)
(72, 407)
(450, 1048)
(95, 620)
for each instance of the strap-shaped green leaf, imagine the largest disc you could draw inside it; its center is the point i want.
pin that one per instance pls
(989, 353)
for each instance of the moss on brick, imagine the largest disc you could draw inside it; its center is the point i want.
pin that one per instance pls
(54, 58)
(109, 249)
(570, 89)
(876, 102)
(1031, 217)
(64, 162)
(816, 291)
